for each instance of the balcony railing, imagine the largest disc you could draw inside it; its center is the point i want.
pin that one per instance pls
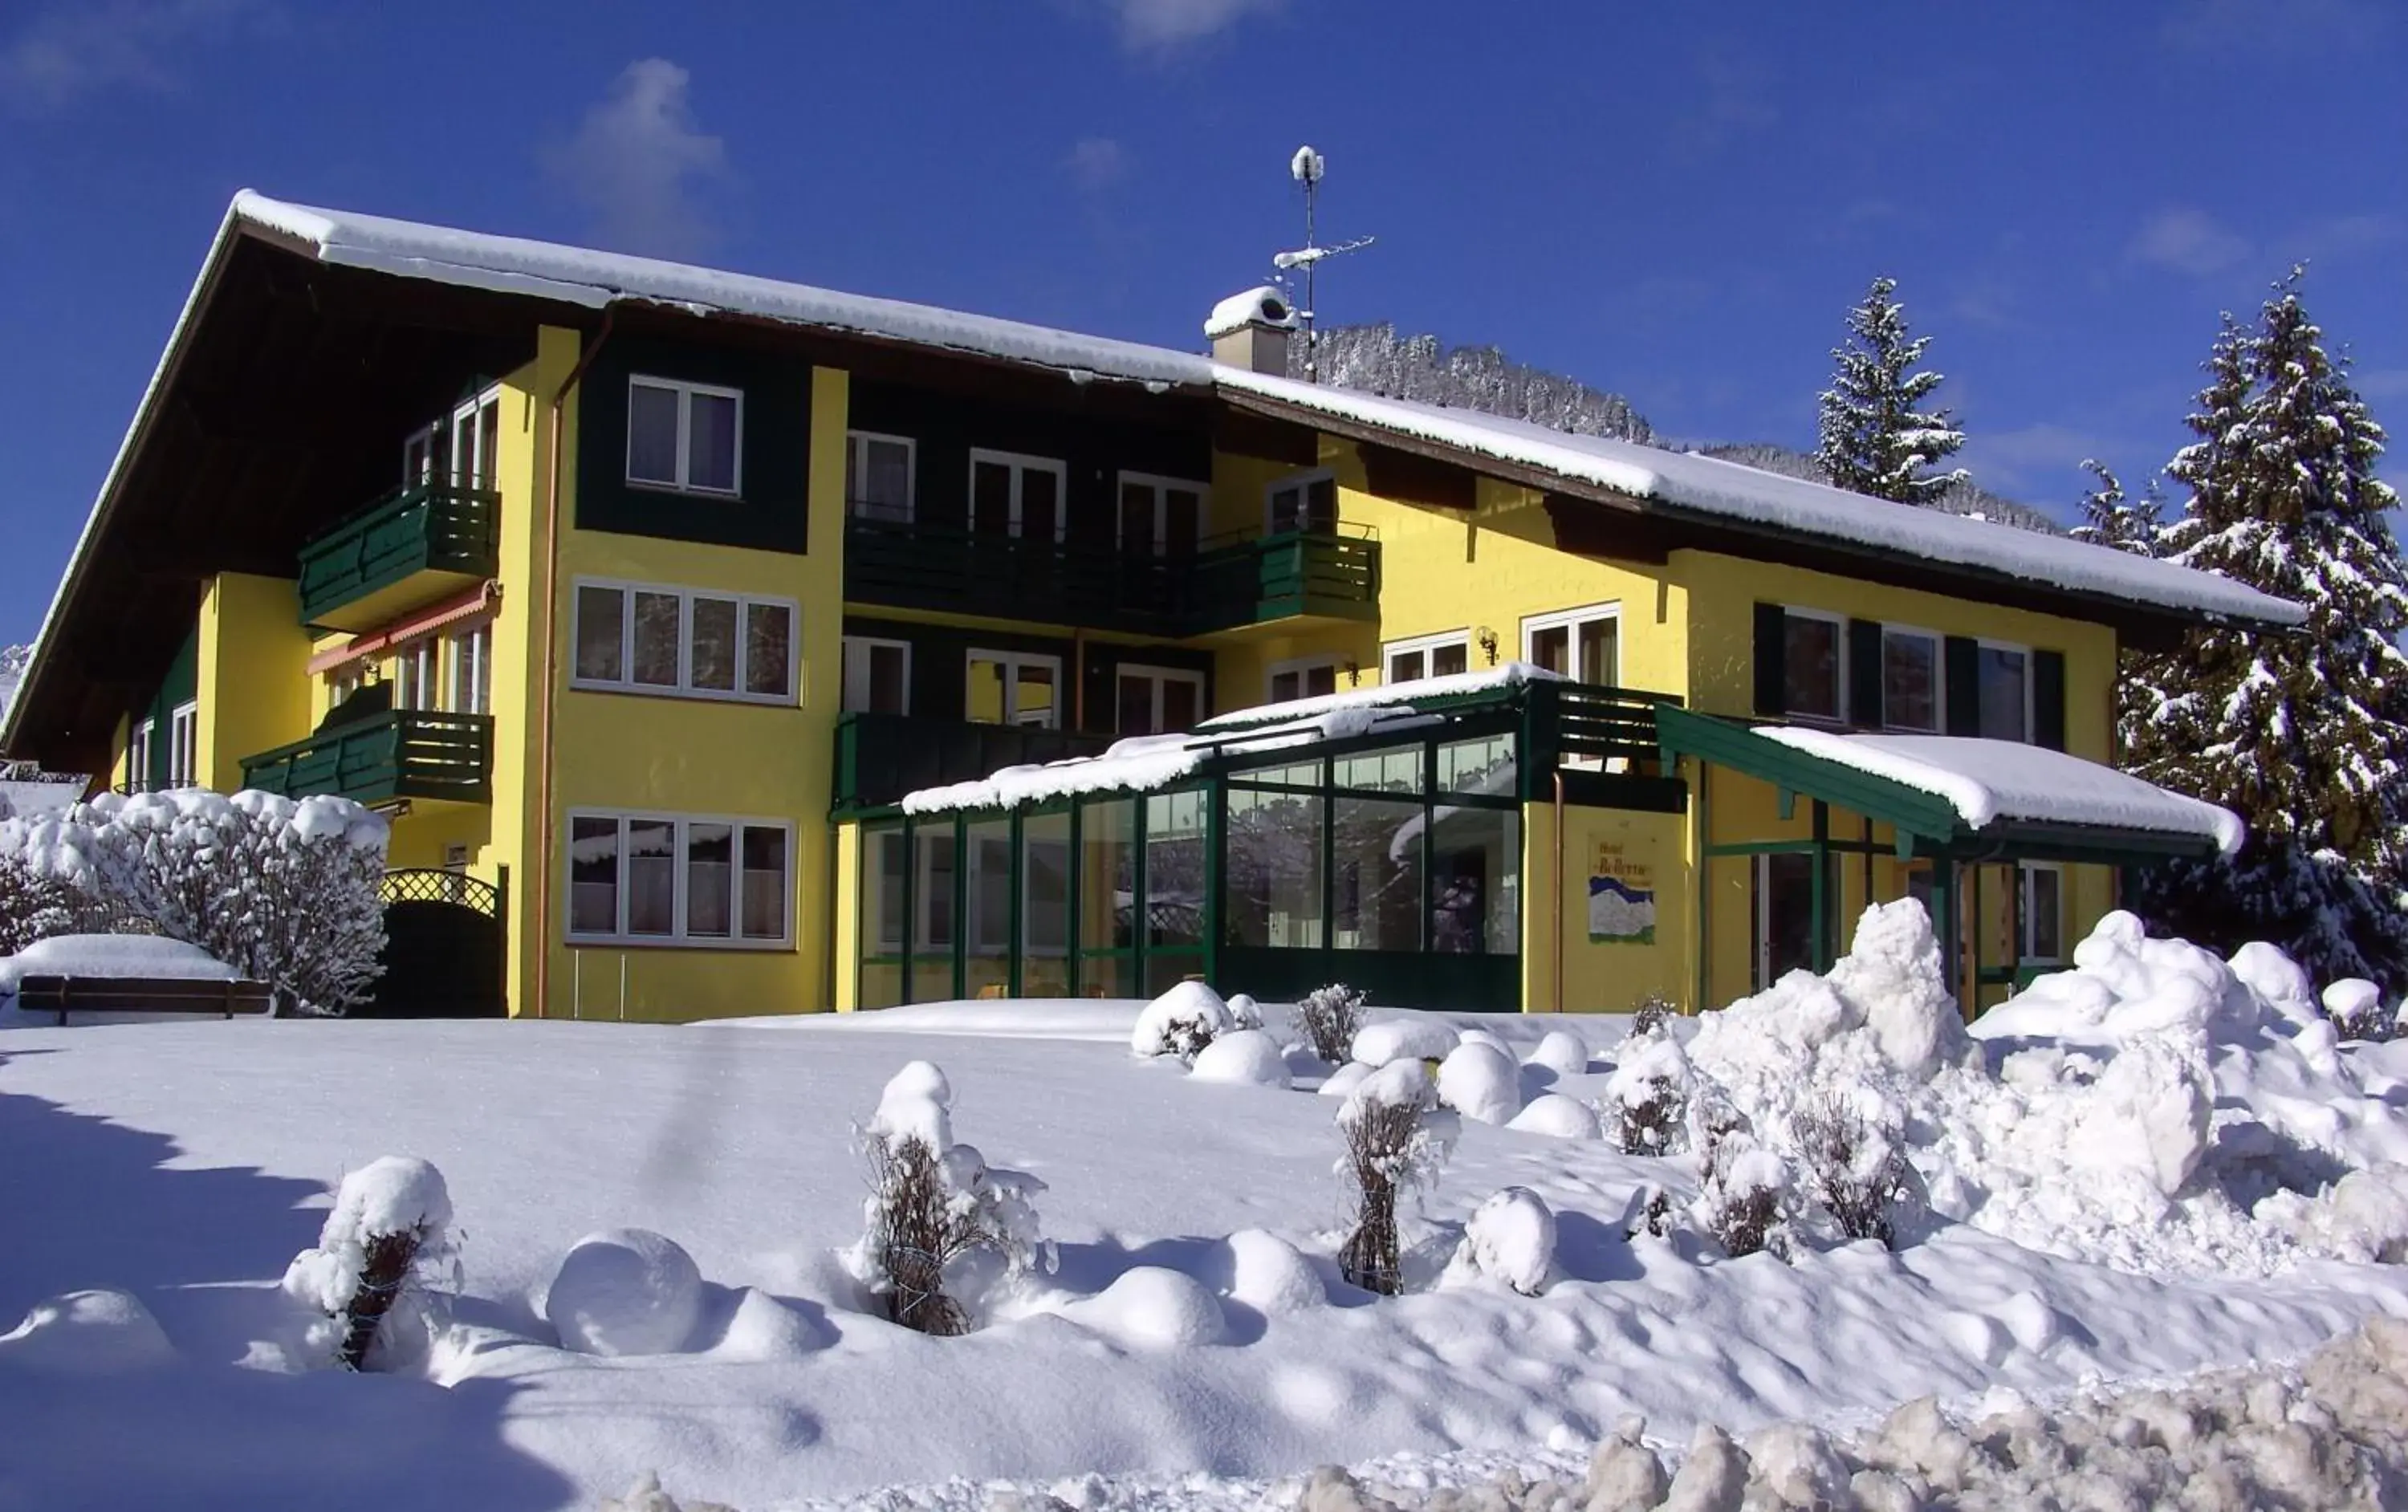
(410, 547)
(911, 564)
(404, 754)
(881, 757)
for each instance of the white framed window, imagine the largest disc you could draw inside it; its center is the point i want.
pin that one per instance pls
(2042, 907)
(683, 642)
(2003, 679)
(472, 670)
(1155, 700)
(644, 878)
(1305, 501)
(686, 437)
(1160, 516)
(880, 474)
(342, 684)
(1302, 677)
(1425, 656)
(876, 675)
(1813, 664)
(1014, 688)
(1913, 680)
(415, 684)
(183, 745)
(463, 448)
(1011, 495)
(139, 743)
(1582, 644)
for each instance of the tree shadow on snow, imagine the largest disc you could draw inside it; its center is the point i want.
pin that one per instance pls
(1588, 1250)
(88, 1203)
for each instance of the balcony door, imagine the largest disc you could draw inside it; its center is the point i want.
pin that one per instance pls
(1014, 688)
(1157, 700)
(1016, 495)
(1160, 517)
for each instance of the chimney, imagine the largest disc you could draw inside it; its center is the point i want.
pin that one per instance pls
(1250, 329)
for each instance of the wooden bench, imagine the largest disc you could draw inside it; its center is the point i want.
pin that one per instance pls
(63, 995)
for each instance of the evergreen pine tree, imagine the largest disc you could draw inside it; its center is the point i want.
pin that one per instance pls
(1874, 438)
(2304, 734)
(2109, 519)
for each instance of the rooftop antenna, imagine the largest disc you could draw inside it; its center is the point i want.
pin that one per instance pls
(1307, 167)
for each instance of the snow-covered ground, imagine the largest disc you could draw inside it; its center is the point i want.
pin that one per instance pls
(186, 1165)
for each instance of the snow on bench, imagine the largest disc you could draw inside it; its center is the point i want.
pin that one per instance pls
(129, 973)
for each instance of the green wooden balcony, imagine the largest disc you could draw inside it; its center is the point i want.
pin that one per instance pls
(401, 754)
(420, 543)
(881, 757)
(1227, 585)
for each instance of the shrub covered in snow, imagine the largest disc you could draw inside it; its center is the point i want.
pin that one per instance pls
(1651, 1015)
(2355, 1006)
(1270, 1275)
(1412, 1038)
(286, 891)
(1509, 1241)
(1480, 1082)
(1182, 1022)
(1557, 1117)
(384, 1251)
(1561, 1052)
(1646, 1105)
(1249, 1057)
(1744, 1197)
(1244, 1012)
(1328, 1017)
(1397, 1137)
(942, 1230)
(624, 1291)
(35, 907)
(1852, 1168)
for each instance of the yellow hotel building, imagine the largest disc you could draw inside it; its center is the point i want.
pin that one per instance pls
(722, 646)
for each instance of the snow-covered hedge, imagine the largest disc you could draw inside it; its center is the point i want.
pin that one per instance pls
(285, 891)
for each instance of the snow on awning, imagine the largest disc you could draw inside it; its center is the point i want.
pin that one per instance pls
(1988, 781)
(1395, 696)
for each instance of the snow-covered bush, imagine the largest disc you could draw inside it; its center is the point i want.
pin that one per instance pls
(1557, 1117)
(1743, 1196)
(287, 892)
(1248, 1057)
(1396, 1138)
(1244, 1012)
(942, 1230)
(1412, 1038)
(1651, 1015)
(384, 1252)
(2355, 1006)
(1328, 1018)
(1852, 1168)
(1646, 1105)
(1511, 1241)
(1561, 1052)
(1181, 1023)
(1480, 1082)
(36, 908)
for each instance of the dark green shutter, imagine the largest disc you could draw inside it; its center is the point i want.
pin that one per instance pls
(2048, 699)
(1864, 674)
(1964, 686)
(1770, 669)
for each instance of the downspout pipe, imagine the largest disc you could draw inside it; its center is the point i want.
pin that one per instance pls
(548, 596)
(1559, 889)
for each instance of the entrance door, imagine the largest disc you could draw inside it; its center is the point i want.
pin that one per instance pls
(1782, 904)
(443, 939)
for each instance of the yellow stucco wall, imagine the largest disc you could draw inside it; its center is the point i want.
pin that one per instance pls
(253, 688)
(631, 753)
(1604, 970)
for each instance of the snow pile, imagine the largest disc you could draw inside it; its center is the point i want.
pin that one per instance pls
(1509, 1242)
(98, 1333)
(1480, 1081)
(1561, 1052)
(1152, 1307)
(1247, 1057)
(1270, 1275)
(288, 892)
(387, 1198)
(1557, 1117)
(1182, 1022)
(624, 1291)
(2153, 1108)
(1403, 1039)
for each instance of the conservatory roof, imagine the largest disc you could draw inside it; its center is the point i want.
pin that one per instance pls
(1961, 796)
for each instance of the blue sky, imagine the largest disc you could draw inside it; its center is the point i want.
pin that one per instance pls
(1677, 203)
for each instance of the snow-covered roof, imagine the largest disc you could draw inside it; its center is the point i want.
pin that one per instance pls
(1750, 495)
(1986, 780)
(577, 276)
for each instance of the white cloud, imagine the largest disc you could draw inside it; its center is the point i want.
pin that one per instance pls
(2247, 28)
(642, 166)
(80, 47)
(1096, 163)
(2188, 240)
(1161, 25)
(2033, 456)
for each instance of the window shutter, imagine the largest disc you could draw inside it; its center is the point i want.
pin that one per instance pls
(2048, 699)
(1770, 670)
(1964, 655)
(1865, 673)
